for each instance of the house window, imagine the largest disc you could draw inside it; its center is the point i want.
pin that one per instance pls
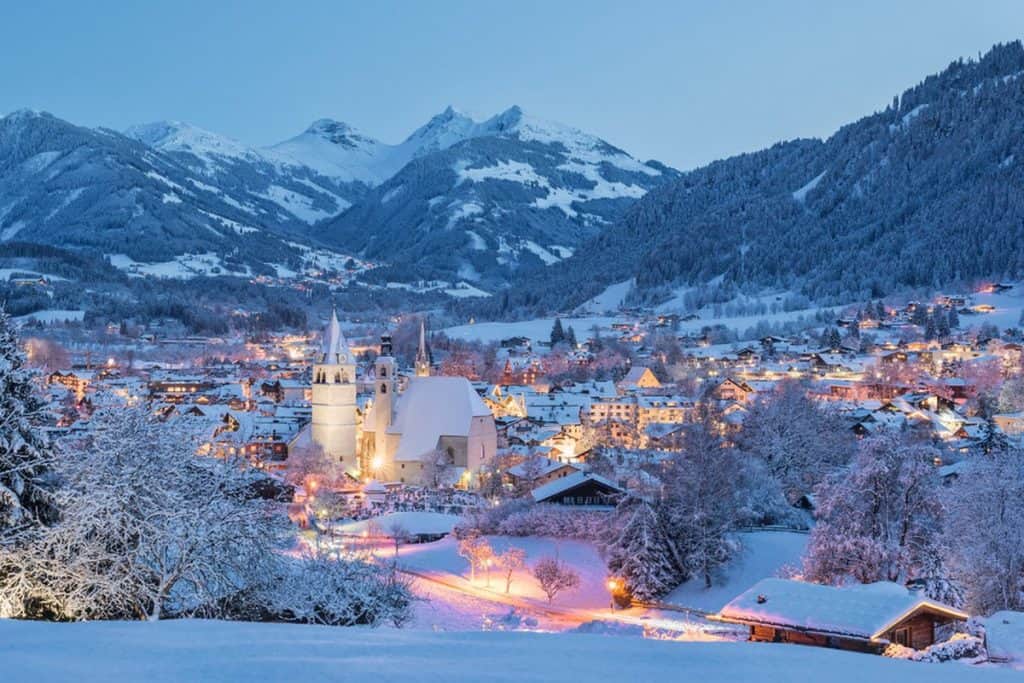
(383, 388)
(901, 636)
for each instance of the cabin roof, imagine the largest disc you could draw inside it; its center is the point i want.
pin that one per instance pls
(863, 612)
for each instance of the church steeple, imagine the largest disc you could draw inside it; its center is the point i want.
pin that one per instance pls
(334, 397)
(422, 356)
(334, 348)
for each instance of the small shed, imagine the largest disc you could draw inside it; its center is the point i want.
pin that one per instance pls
(864, 618)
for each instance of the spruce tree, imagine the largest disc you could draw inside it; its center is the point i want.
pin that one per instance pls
(570, 337)
(954, 318)
(25, 459)
(640, 553)
(557, 333)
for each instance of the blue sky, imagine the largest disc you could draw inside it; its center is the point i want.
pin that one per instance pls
(683, 82)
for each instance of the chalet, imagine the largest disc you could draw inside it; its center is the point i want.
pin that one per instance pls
(579, 489)
(732, 390)
(864, 618)
(637, 378)
(539, 471)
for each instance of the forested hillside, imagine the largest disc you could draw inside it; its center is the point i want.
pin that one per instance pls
(923, 193)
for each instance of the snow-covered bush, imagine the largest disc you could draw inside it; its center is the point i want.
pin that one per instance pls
(525, 518)
(960, 646)
(338, 591)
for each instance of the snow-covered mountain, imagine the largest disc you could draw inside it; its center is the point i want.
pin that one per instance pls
(101, 191)
(476, 200)
(288, 188)
(456, 200)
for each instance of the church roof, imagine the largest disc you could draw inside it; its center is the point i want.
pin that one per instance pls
(432, 407)
(334, 348)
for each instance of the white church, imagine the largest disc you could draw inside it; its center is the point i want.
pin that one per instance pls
(422, 430)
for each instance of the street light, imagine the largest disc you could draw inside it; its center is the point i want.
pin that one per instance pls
(615, 585)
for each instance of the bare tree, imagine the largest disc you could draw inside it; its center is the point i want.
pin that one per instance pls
(555, 577)
(509, 561)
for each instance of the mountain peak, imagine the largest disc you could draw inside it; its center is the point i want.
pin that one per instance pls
(178, 136)
(339, 133)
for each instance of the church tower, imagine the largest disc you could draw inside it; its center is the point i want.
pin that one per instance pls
(334, 397)
(422, 356)
(384, 390)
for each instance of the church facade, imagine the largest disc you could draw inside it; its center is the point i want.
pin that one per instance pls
(433, 431)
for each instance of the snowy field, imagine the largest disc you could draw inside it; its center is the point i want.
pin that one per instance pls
(765, 554)
(536, 330)
(221, 651)
(51, 316)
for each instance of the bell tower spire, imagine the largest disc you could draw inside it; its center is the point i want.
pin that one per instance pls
(334, 396)
(422, 355)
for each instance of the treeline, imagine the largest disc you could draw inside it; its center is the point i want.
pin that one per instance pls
(921, 194)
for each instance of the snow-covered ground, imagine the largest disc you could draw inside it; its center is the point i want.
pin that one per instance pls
(223, 651)
(50, 316)
(765, 554)
(537, 330)
(1008, 308)
(610, 300)
(1005, 636)
(418, 522)
(442, 558)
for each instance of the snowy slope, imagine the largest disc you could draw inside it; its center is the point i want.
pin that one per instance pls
(478, 200)
(764, 555)
(262, 180)
(190, 650)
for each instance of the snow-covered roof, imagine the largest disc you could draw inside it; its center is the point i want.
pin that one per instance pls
(413, 522)
(537, 467)
(334, 348)
(432, 407)
(860, 611)
(553, 488)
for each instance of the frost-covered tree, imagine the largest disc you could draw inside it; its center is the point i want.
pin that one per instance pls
(881, 518)
(701, 499)
(146, 526)
(985, 531)
(799, 442)
(477, 551)
(25, 457)
(510, 561)
(555, 576)
(640, 553)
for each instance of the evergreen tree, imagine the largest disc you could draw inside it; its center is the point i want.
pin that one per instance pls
(557, 333)
(941, 323)
(930, 330)
(953, 319)
(640, 552)
(25, 458)
(830, 339)
(570, 337)
(880, 311)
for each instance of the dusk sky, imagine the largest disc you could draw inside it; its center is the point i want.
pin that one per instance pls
(682, 82)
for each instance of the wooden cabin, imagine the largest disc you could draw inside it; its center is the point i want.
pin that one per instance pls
(862, 618)
(580, 489)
